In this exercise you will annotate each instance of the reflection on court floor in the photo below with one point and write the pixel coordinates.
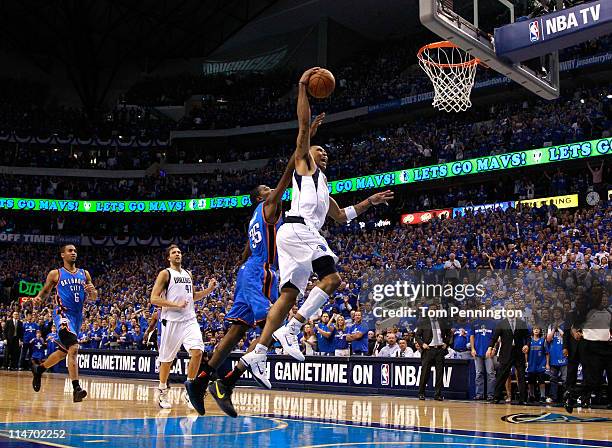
(123, 413)
(260, 431)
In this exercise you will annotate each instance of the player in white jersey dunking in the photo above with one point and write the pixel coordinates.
(301, 248)
(173, 292)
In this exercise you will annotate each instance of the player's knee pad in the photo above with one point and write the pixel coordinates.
(325, 266)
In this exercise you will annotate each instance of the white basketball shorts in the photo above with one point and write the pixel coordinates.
(298, 246)
(177, 333)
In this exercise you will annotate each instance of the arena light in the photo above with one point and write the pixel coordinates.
(442, 171)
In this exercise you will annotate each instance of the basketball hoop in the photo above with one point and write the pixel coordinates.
(452, 71)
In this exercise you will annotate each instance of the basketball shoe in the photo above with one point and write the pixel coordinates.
(256, 364)
(223, 396)
(287, 337)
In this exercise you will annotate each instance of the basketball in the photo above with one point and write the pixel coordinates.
(321, 84)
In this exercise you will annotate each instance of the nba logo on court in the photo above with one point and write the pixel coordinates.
(384, 374)
(534, 31)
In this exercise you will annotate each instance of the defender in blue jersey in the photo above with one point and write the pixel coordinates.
(257, 283)
(73, 286)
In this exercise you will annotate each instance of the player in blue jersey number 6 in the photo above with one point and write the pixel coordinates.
(72, 286)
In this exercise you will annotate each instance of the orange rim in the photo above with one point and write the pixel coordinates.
(445, 44)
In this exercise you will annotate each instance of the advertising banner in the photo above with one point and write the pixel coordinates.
(388, 376)
(527, 39)
(422, 217)
(479, 165)
(567, 201)
(23, 238)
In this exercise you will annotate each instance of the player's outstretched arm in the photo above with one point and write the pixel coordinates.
(277, 194)
(90, 289)
(347, 214)
(303, 159)
(271, 205)
(52, 279)
(160, 285)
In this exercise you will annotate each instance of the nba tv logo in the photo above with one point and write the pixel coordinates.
(385, 376)
(534, 31)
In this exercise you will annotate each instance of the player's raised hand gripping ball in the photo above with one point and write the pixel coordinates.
(321, 83)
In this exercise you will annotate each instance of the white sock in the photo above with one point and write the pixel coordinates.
(316, 299)
(294, 326)
(162, 385)
(261, 349)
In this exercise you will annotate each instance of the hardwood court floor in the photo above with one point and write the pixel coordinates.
(123, 412)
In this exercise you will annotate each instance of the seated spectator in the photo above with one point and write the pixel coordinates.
(392, 348)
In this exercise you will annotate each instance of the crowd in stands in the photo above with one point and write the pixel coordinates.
(585, 114)
(28, 109)
(387, 72)
(510, 186)
(371, 78)
(390, 72)
(540, 258)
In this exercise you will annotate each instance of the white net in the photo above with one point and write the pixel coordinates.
(452, 72)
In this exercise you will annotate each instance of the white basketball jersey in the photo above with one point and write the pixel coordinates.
(310, 198)
(180, 287)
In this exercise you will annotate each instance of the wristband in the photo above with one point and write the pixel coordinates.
(370, 202)
(351, 213)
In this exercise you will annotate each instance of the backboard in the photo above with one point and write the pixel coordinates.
(467, 29)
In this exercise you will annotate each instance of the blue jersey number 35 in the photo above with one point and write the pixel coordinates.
(255, 235)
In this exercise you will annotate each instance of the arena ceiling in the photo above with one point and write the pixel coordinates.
(89, 42)
(92, 39)
(373, 19)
